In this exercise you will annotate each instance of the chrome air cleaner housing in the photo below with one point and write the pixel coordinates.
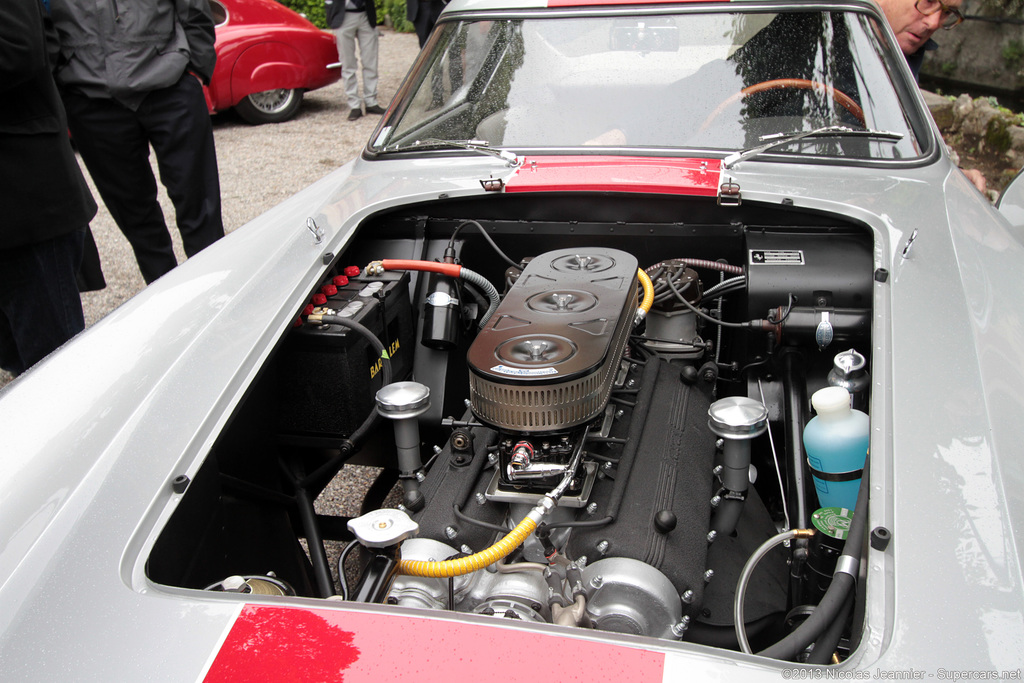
(548, 356)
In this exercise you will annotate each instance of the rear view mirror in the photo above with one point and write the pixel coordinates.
(644, 35)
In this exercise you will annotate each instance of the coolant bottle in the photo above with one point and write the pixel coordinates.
(836, 442)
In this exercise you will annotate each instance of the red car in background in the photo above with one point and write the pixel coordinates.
(267, 57)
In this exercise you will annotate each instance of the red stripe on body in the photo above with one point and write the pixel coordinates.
(271, 644)
(696, 177)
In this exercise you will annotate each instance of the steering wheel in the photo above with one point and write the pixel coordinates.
(840, 97)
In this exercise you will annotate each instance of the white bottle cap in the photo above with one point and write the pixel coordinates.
(831, 401)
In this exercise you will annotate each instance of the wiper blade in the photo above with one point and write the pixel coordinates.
(479, 146)
(779, 139)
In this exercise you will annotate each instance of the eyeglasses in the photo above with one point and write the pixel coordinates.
(950, 16)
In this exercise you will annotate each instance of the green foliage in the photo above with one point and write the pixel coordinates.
(311, 9)
(997, 136)
(314, 11)
(948, 69)
(396, 10)
(1013, 53)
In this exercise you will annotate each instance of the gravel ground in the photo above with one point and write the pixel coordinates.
(260, 166)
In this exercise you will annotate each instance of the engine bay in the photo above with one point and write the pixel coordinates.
(580, 411)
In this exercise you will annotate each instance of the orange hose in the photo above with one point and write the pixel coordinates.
(450, 269)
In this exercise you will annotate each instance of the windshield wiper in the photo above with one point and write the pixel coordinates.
(480, 146)
(779, 139)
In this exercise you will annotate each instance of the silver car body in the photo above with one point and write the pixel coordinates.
(93, 437)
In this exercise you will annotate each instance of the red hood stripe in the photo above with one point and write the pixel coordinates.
(696, 177)
(268, 643)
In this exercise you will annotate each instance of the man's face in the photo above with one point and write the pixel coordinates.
(912, 28)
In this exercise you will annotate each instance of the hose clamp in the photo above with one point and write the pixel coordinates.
(847, 565)
(852, 475)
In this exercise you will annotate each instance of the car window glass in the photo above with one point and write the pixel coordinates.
(692, 80)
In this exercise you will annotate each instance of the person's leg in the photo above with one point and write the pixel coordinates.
(367, 36)
(178, 125)
(346, 36)
(115, 150)
(40, 307)
(10, 359)
(426, 16)
(423, 23)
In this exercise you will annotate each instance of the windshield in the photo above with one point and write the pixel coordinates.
(718, 80)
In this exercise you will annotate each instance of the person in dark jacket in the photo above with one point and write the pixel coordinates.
(423, 14)
(45, 204)
(130, 77)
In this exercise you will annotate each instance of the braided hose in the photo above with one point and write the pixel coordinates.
(492, 293)
(703, 263)
(466, 565)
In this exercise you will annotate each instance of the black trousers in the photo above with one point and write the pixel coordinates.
(114, 143)
(426, 17)
(39, 304)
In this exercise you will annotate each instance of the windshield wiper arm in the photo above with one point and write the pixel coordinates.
(480, 146)
(779, 139)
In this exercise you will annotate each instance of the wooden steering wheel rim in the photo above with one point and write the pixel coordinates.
(839, 96)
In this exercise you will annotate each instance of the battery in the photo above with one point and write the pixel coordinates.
(328, 375)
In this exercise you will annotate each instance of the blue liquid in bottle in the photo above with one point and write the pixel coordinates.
(836, 442)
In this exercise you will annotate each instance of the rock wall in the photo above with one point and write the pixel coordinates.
(986, 52)
(987, 131)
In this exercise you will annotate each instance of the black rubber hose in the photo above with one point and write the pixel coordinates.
(369, 336)
(462, 516)
(821, 618)
(825, 646)
(347, 449)
(315, 543)
(842, 586)
(504, 257)
(342, 579)
(797, 477)
(725, 636)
